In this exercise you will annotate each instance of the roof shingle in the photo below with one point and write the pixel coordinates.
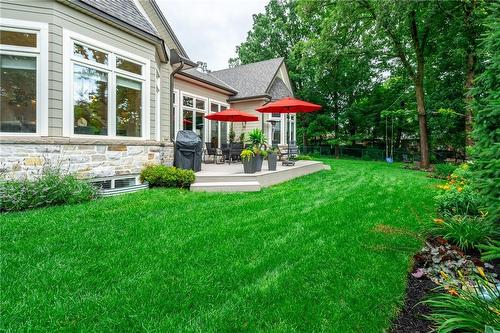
(125, 11)
(192, 72)
(250, 80)
(279, 90)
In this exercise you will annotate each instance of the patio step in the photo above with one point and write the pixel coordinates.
(245, 186)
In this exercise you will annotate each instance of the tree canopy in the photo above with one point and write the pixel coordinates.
(365, 61)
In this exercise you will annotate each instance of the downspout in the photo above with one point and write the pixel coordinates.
(269, 99)
(172, 109)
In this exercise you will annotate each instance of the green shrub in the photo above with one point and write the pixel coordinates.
(464, 231)
(490, 251)
(165, 176)
(458, 201)
(471, 311)
(444, 170)
(51, 187)
(487, 116)
(303, 158)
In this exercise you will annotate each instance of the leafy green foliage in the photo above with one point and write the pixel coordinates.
(444, 170)
(465, 231)
(487, 120)
(458, 196)
(51, 187)
(303, 158)
(490, 251)
(165, 176)
(468, 312)
(247, 154)
(256, 137)
(358, 60)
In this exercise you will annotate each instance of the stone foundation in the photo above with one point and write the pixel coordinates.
(85, 160)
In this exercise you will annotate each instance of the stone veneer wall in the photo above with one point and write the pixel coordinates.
(86, 160)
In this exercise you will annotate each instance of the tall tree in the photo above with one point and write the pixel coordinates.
(407, 26)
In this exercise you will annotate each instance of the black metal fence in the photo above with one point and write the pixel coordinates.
(377, 154)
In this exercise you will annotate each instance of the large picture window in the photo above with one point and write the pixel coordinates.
(22, 94)
(108, 91)
(193, 114)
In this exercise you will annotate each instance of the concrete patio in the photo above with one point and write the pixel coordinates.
(230, 177)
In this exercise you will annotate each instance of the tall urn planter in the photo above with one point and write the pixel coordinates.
(249, 164)
(259, 159)
(272, 161)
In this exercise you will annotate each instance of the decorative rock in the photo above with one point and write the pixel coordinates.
(117, 148)
(135, 150)
(100, 149)
(79, 159)
(98, 158)
(33, 161)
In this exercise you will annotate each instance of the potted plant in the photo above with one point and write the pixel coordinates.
(256, 137)
(249, 161)
(272, 158)
(260, 154)
(258, 140)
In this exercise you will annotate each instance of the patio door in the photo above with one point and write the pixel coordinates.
(218, 129)
(193, 114)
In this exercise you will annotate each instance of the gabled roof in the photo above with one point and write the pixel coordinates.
(207, 78)
(123, 10)
(251, 80)
(279, 90)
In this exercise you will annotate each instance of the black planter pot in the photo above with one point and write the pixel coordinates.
(259, 159)
(272, 161)
(249, 165)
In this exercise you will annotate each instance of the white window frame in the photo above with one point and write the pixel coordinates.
(193, 109)
(41, 54)
(282, 120)
(209, 127)
(157, 104)
(177, 115)
(69, 59)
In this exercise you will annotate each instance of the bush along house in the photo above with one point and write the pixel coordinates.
(100, 88)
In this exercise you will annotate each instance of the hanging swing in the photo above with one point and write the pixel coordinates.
(389, 159)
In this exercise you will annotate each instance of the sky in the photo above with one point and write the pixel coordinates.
(210, 30)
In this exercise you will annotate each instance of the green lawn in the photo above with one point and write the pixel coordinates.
(325, 252)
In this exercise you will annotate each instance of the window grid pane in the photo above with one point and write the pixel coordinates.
(128, 66)
(18, 94)
(200, 104)
(128, 107)
(187, 101)
(17, 38)
(91, 54)
(90, 101)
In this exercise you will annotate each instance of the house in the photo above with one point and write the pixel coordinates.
(100, 87)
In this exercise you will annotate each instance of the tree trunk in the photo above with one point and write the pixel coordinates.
(468, 100)
(336, 131)
(422, 123)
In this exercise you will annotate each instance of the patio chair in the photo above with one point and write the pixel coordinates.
(290, 152)
(235, 151)
(211, 150)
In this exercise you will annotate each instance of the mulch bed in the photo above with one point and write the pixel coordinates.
(436, 255)
(411, 318)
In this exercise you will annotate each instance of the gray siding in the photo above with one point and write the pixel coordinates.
(61, 16)
(165, 71)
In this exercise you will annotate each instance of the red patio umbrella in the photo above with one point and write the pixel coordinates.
(232, 115)
(289, 105)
